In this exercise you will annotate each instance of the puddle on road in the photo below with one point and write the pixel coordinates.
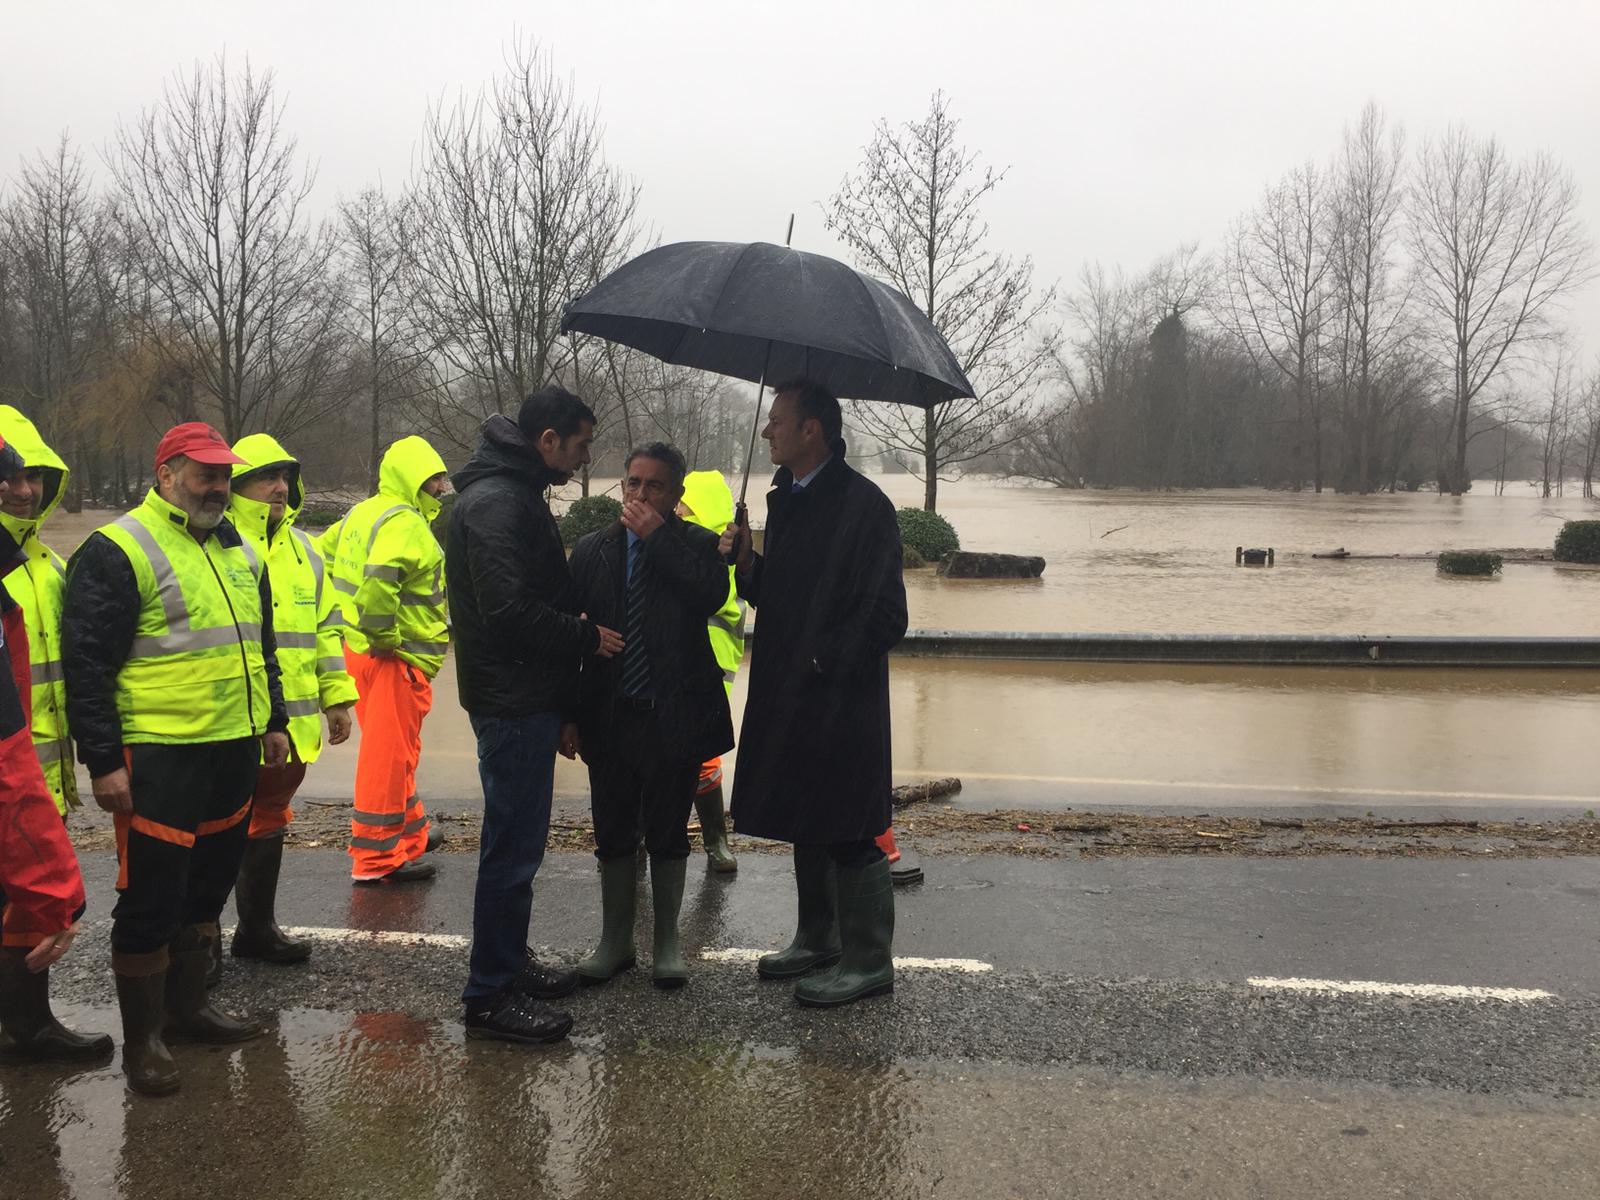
(383, 1104)
(343, 1105)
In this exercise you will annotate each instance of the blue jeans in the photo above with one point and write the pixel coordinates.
(517, 764)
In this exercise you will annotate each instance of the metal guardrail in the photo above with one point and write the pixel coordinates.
(1262, 649)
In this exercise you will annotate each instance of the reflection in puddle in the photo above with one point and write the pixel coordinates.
(381, 1103)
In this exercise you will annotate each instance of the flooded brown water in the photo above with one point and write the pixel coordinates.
(1056, 735)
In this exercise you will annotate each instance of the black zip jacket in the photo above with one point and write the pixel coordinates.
(514, 624)
(97, 629)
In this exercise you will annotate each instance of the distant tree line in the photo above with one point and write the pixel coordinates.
(190, 279)
(1381, 322)
(1385, 320)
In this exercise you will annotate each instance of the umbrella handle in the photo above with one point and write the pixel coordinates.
(741, 518)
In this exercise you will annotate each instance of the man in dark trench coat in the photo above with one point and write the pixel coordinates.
(814, 751)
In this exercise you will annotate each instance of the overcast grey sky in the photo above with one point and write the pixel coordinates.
(1127, 127)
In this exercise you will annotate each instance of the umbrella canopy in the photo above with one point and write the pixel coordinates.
(762, 312)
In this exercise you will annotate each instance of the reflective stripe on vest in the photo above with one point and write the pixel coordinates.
(193, 674)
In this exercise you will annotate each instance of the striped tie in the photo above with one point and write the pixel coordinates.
(635, 662)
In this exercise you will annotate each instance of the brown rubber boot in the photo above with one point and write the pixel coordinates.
(190, 1015)
(141, 995)
(29, 1031)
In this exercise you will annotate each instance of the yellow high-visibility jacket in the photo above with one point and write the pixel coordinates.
(197, 670)
(40, 590)
(387, 566)
(708, 502)
(305, 621)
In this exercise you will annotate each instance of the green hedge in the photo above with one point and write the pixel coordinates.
(587, 514)
(1578, 542)
(929, 534)
(1469, 562)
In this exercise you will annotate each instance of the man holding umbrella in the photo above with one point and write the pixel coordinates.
(814, 751)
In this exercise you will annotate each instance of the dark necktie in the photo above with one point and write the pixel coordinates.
(635, 662)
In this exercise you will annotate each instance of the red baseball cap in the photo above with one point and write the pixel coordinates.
(196, 440)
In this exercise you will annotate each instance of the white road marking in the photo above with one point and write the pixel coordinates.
(968, 966)
(456, 941)
(382, 937)
(1418, 991)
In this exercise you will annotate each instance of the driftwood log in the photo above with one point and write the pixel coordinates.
(916, 793)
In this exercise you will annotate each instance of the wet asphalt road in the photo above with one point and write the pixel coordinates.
(1115, 1048)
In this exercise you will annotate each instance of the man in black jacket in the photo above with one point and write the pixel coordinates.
(648, 718)
(518, 637)
(173, 696)
(814, 750)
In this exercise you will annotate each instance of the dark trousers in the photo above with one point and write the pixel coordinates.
(517, 766)
(181, 846)
(634, 787)
(854, 854)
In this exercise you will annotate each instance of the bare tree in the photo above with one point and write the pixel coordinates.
(1370, 302)
(379, 293)
(211, 192)
(1278, 296)
(55, 236)
(1496, 244)
(1554, 416)
(912, 215)
(517, 212)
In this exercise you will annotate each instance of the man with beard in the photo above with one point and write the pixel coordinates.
(174, 699)
(814, 750)
(519, 637)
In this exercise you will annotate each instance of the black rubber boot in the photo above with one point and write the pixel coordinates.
(619, 889)
(816, 938)
(29, 1031)
(866, 927)
(714, 831)
(141, 995)
(190, 1015)
(256, 896)
(667, 968)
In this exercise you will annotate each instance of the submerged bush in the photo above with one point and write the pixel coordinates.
(1469, 562)
(1578, 542)
(929, 534)
(587, 514)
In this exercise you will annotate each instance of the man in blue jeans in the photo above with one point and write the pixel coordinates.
(518, 639)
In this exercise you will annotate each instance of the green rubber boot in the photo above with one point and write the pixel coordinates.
(714, 831)
(866, 928)
(619, 887)
(816, 938)
(667, 968)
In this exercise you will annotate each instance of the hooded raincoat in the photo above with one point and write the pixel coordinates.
(304, 617)
(39, 587)
(709, 502)
(388, 568)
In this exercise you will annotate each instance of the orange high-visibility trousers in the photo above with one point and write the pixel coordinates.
(388, 827)
(885, 842)
(275, 789)
(710, 776)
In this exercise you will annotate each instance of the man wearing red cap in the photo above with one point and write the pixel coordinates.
(173, 695)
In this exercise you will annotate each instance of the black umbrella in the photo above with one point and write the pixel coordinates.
(763, 313)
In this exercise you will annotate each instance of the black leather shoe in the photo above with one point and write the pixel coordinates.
(539, 982)
(514, 1018)
(435, 837)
